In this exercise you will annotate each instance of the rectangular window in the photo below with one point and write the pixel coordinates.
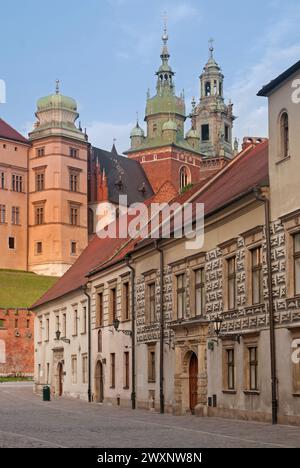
(48, 373)
(113, 304)
(73, 248)
(2, 214)
(15, 215)
(40, 152)
(83, 323)
(126, 302)
(84, 369)
(74, 153)
(231, 282)
(2, 180)
(200, 291)
(39, 215)
(47, 329)
(39, 248)
(205, 132)
(99, 311)
(11, 243)
(57, 324)
(74, 216)
(151, 302)
(297, 263)
(74, 369)
(2, 323)
(227, 134)
(181, 296)
(40, 330)
(257, 276)
(230, 369)
(113, 370)
(253, 364)
(39, 181)
(151, 365)
(74, 181)
(64, 325)
(126, 370)
(75, 322)
(17, 183)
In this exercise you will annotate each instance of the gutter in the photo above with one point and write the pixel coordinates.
(133, 358)
(261, 197)
(162, 329)
(85, 289)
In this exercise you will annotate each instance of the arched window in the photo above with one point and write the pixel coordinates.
(184, 177)
(207, 88)
(99, 341)
(284, 134)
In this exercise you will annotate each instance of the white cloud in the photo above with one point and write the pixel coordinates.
(279, 54)
(102, 134)
(182, 12)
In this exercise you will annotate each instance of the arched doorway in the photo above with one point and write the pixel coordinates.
(60, 374)
(99, 382)
(193, 382)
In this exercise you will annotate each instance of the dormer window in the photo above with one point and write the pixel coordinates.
(284, 135)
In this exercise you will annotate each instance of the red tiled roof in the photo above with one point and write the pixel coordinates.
(9, 133)
(99, 252)
(247, 170)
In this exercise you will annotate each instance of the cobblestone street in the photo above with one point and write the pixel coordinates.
(26, 421)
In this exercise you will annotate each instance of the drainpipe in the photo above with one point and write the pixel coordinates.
(162, 329)
(85, 289)
(133, 383)
(259, 196)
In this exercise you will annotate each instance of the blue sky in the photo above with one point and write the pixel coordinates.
(105, 52)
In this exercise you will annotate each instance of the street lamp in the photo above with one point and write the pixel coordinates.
(217, 324)
(58, 337)
(116, 324)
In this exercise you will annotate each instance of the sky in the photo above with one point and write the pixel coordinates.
(105, 54)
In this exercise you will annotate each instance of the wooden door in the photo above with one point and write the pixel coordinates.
(99, 383)
(193, 378)
(60, 379)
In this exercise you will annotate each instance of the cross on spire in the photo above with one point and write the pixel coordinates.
(165, 34)
(211, 48)
(57, 86)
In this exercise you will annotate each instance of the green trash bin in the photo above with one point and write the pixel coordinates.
(46, 393)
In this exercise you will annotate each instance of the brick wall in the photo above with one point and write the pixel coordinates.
(16, 342)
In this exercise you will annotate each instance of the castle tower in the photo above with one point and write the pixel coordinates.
(164, 152)
(214, 119)
(57, 206)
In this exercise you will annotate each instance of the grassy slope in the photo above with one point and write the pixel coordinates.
(21, 289)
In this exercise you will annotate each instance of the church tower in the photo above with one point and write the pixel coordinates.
(164, 152)
(214, 119)
(57, 206)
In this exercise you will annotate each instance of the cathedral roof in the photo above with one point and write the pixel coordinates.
(9, 133)
(124, 176)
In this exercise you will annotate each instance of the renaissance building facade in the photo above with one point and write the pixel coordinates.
(212, 331)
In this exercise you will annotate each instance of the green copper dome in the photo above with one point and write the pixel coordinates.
(57, 101)
(137, 131)
(192, 134)
(170, 125)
